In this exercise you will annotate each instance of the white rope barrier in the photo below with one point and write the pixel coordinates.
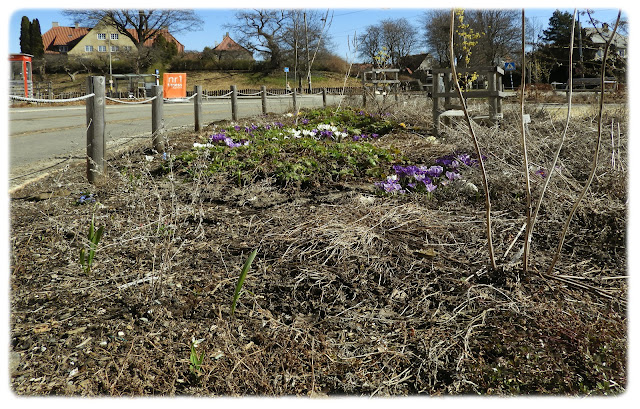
(220, 96)
(57, 101)
(130, 102)
(249, 95)
(279, 95)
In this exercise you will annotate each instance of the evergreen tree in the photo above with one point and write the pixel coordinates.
(554, 52)
(559, 29)
(164, 50)
(37, 46)
(25, 35)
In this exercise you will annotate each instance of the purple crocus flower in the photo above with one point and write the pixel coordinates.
(430, 187)
(466, 159)
(541, 173)
(452, 175)
(218, 137)
(391, 185)
(435, 171)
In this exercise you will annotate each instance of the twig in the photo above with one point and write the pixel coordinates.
(597, 151)
(525, 257)
(595, 290)
(564, 132)
(139, 281)
(487, 200)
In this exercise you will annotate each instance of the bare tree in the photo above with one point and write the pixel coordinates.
(399, 37)
(500, 34)
(435, 24)
(370, 43)
(146, 24)
(498, 30)
(305, 35)
(390, 39)
(262, 31)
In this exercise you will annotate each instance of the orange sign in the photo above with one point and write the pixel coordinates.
(174, 85)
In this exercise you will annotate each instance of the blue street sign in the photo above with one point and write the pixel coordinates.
(510, 66)
(286, 69)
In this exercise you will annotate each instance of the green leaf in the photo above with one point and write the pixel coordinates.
(99, 235)
(243, 275)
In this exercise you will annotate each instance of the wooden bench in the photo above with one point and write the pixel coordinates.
(587, 85)
(444, 90)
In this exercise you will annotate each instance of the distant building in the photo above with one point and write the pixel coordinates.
(417, 63)
(104, 38)
(600, 36)
(229, 50)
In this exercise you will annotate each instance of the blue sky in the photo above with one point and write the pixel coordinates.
(346, 21)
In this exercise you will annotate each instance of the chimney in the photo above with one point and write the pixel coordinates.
(54, 24)
(605, 27)
(226, 35)
(77, 25)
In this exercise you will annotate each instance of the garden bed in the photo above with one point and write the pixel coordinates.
(371, 274)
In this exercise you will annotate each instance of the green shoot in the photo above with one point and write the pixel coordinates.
(195, 360)
(243, 275)
(94, 236)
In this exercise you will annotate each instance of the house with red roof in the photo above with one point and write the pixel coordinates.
(229, 50)
(101, 40)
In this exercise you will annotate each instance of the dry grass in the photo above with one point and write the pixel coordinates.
(351, 292)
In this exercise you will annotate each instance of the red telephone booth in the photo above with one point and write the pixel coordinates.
(21, 83)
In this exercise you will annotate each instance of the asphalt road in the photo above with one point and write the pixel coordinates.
(42, 136)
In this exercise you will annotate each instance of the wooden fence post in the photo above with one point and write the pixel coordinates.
(295, 102)
(157, 126)
(492, 77)
(197, 107)
(234, 103)
(95, 128)
(436, 89)
(324, 97)
(263, 94)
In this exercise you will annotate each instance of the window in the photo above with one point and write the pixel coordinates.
(102, 36)
(114, 36)
(63, 48)
(114, 48)
(88, 48)
(127, 48)
(102, 48)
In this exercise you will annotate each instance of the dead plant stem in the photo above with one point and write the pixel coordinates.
(525, 257)
(597, 150)
(454, 75)
(564, 132)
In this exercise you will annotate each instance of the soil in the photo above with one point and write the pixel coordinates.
(351, 292)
